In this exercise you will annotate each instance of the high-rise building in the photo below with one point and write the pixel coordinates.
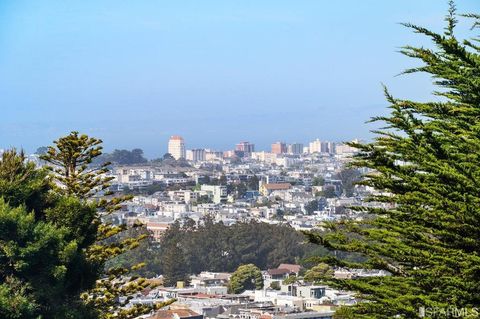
(279, 148)
(245, 147)
(331, 147)
(176, 147)
(315, 146)
(318, 146)
(295, 148)
(196, 155)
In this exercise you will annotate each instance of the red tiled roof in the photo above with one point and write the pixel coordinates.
(278, 186)
(292, 267)
(169, 314)
(278, 271)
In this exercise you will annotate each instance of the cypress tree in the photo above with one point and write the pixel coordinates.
(425, 164)
(246, 277)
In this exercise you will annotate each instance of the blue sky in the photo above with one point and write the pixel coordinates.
(216, 72)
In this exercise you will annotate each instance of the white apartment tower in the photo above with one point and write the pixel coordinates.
(176, 147)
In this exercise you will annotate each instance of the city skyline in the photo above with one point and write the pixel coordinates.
(213, 72)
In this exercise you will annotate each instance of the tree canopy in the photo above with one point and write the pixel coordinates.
(246, 277)
(210, 246)
(70, 161)
(425, 164)
(122, 157)
(42, 244)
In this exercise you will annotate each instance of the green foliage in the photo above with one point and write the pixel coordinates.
(246, 277)
(349, 177)
(318, 273)
(328, 192)
(148, 252)
(134, 156)
(213, 246)
(174, 264)
(15, 301)
(192, 248)
(168, 156)
(37, 249)
(253, 183)
(318, 181)
(311, 207)
(290, 280)
(426, 163)
(275, 285)
(71, 160)
(203, 199)
(22, 184)
(240, 189)
(122, 157)
(41, 150)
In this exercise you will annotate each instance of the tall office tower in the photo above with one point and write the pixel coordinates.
(176, 147)
(324, 147)
(245, 147)
(327, 147)
(331, 147)
(315, 146)
(279, 148)
(295, 148)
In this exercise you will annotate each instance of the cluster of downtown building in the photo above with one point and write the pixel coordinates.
(286, 182)
(177, 148)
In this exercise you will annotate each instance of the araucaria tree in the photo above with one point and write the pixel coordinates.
(425, 163)
(71, 168)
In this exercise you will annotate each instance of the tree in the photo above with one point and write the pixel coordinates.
(212, 246)
(349, 177)
(290, 280)
(40, 245)
(70, 159)
(222, 180)
(318, 181)
(425, 161)
(41, 150)
(126, 157)
(318, 273)
(329, 191)
(168, 156)
(311, 207)
(275, 285)
(246, 277)
(173, 263)
(253, 183)
(240, 189)
(21, 183)
(203, 199)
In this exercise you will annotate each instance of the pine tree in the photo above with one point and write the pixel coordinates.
(38, 249)
(173, 262)
(425, 163)
(71, 160)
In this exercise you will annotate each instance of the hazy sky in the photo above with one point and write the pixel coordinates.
(216, 72)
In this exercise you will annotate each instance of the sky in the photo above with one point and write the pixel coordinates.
(215, 72)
